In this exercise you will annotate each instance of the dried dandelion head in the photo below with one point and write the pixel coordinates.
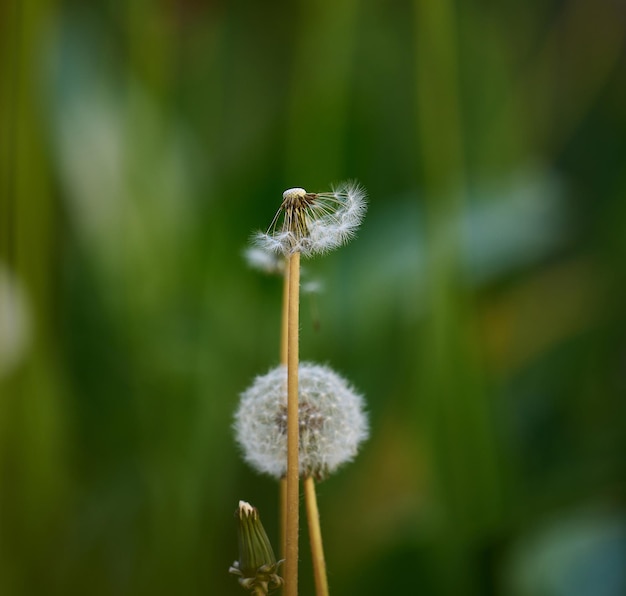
(332, 421)
(314, 223)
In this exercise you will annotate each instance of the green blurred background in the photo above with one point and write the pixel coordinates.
(480, 310)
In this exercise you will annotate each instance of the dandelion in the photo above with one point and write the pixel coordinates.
(257, 564)
(314, 223)
(306, 223)
(332, 422)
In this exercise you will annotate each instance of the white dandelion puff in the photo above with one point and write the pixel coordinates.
(331, 416)
(314, 223)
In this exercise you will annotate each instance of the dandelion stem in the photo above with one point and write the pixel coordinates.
(283, 361)
(283, 517)
(315, 536)
(284, 319)
(293, 432)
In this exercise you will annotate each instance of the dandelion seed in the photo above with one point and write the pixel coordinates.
(312, 286)
(263, 260)
(314, 223)
(331, 420)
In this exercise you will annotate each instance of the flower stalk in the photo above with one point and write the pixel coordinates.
(315, 538)
(293, 434)
(283, 360)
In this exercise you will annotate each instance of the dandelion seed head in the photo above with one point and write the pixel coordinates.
(314, 223)
(331, 418)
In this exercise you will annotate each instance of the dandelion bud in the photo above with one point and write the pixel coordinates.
(331, 418)
(257, 564)
(313, 223)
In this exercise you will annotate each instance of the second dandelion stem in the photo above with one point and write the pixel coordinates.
(315, 536)
(293, 432)
(284, 342)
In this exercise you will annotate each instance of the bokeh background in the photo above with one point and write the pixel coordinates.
(480, 310)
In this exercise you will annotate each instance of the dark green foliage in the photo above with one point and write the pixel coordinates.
(480, 310)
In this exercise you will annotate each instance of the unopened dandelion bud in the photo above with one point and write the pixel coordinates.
(313, 223)
(332, 421)
(257, 564)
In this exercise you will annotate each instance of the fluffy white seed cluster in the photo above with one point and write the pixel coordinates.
(314, 223)
(332, 421)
